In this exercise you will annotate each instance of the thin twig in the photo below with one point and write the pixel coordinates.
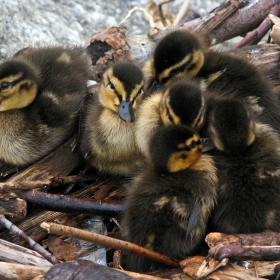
(136, 9)
(182, 12)
(33, 245)
(162, 17)
(118, 244)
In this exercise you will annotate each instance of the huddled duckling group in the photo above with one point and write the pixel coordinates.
(150, 124)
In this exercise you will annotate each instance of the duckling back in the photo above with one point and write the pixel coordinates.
(168, 204)
(46, 87)
(248, 162)
(108, 141)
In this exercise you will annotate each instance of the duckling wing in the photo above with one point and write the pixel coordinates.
(193, 216)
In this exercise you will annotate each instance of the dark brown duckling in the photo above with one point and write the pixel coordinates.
(248, 162)
(41, 91)
(108, 141)
(168, 204)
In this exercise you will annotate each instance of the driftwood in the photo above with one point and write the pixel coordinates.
(12, 271)
(33, 245)
(10, 252)
(228, 272)
(266, 238)
(99, 239)
(116, 43)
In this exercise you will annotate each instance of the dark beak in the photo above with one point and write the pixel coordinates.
(207, 144)
(126, 112)
(154, 88)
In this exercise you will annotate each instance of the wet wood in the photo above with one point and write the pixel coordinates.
(12, 271)
(266, 238)
(126, 247)
(10, 252)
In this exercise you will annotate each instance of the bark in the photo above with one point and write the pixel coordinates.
(266, 238)
(33, 245)
(99, 239)
(241, 253)
(10, 252)
(69, 204)
(12, 271)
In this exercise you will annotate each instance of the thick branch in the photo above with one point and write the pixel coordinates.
(69, 204)
(241, 253)
(266, 238)
(118, 244)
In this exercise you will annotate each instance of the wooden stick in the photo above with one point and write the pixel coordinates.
(182, 12)
(12, 271)
(53, 182)
(10, 252)
(220, 14)
(241, 253)
(266, 238)
(162, 17)
(33, 245)
(257, 34)
(118, 244)
(69, 204)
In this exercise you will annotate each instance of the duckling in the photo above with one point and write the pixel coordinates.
(168, 204)
(41, 91)
(181, 54)
(182, 102)
(248, 162)
(107, 140)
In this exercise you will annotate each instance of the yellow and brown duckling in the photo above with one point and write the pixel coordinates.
(168, 204)
(182, 103)
(248, 162)
(41, 91)
(108, 141)
(181, 54)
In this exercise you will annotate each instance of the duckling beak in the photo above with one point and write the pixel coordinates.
(126, 112)
(207, 144)
(154, 87)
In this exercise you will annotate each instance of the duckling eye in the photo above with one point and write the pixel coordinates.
(112, 86)
(5, 85)
(170, 117)
(192, 144)
(140, 91)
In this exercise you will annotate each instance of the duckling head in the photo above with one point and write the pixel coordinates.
(231, 127)
(19, 84)
(183, 103)
(174, 148)
(178, 55)
(122, 89)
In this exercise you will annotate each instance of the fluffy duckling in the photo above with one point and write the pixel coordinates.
(248, 162)
(108, 141)
(168, 204)
(181, 103)
(41, 91)
(180, 54)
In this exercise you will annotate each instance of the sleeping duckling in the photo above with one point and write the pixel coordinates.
(181, 103)
(180, 54)
(248, 162)
(108, 141)
(168, 204)
(41, 91)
